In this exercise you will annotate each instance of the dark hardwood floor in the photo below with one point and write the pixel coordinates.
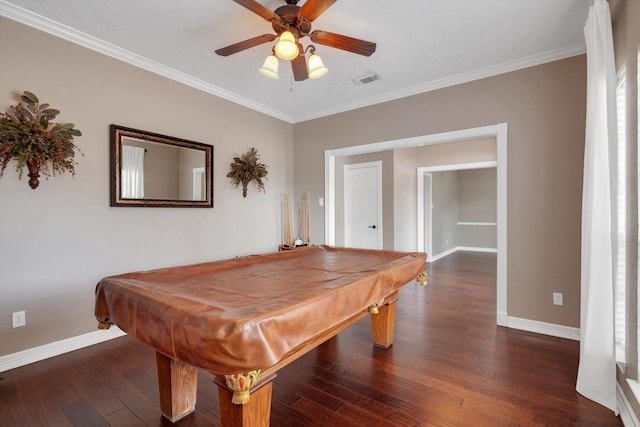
(450, 365)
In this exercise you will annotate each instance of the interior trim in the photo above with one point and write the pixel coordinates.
(460, 248)
(499, 131)
(482, 73)
(72, 35)
(36, 354)
(551, 329)
(64, 32)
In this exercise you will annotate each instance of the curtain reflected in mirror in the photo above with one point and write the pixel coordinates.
(132, 172)
(156, 170)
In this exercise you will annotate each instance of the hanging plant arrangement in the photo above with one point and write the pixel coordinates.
(246, 168)
(28, 135)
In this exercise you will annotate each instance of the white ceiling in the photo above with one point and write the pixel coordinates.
(421, 44)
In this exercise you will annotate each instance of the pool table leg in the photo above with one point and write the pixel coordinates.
(255, 413)
(383, 324)
(178, 383)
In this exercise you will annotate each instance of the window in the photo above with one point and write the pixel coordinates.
(621, 221)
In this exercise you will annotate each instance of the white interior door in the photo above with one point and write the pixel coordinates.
(363, 205)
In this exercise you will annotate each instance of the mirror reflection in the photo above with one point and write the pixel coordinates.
(157, 170)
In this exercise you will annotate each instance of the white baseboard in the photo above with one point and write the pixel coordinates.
(460, 248)
(36, 354)
(544, 328)
(441, 255)
(475, 249)
(503, 318)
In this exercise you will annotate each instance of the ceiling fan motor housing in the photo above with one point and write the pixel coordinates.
(291, 20)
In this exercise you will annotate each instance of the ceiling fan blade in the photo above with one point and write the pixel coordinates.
(311, 9)
(338, 41)
(299, 67)
(257, 8)
(246, 44)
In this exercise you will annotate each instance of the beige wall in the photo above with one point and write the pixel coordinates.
(444, 196)
(477, 202)
(56, 242)
(161, 172)
(459, 152)
(405, 202)
(477, 195)
(544, 107)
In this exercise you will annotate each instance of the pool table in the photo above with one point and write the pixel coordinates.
(244, 318)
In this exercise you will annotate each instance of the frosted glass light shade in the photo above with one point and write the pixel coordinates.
(287, 48)
(316, 67)
(270, 67)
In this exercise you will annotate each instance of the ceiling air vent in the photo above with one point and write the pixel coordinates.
(366, 79)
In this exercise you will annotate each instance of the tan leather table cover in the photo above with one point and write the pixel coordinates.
(248, 313)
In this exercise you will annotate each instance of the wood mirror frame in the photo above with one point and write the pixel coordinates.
(183, 149)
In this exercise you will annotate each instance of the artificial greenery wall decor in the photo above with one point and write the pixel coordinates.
(28, 135)
(246, 168)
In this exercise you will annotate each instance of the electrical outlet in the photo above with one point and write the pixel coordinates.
(19, 319)
(321, 201)
(557, 298)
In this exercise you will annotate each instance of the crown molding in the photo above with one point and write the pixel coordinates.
(65, 32)
(72, 35)
(482, 73)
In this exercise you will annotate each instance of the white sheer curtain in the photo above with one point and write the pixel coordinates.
(597, 370)
(132, 172)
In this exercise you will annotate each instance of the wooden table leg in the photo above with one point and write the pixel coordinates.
(178, 382)
(254, 413)
(383, 324)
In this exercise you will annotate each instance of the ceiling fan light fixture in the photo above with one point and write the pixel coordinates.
(270, 67)
(316, 68)
(287, 47)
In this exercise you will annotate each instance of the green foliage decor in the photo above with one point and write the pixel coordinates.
(28, 135)
(246, 168)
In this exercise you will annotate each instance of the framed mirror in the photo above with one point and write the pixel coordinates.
(149, 169)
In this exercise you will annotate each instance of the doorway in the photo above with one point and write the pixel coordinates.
(498, 131)
(425, 203)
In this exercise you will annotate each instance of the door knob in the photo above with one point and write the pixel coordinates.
(372, 226)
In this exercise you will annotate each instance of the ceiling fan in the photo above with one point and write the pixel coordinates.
(291, 23)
